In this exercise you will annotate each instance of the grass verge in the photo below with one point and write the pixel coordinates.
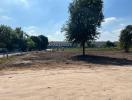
(91, 49)
(4, 59)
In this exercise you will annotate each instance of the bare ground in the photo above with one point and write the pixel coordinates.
(67, 76)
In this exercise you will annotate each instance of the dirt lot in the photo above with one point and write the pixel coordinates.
(67, 76)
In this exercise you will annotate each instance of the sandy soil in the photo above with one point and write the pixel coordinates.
(111, 83)
(65, 76)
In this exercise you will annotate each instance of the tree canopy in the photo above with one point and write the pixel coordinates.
(110, 44)
(6, 36)
(85, 17)
(126, 38)
(44, 42)
(41, 42)
(17, 39)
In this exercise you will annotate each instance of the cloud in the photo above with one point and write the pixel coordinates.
(5, 18)
(32, 30)
(53, 31)
(117, 31)
(23, 3)
(111, 33)
(112, 27)
(57, 33)
(108, 35)
(52, 36)
(1, 10)
(56, 36)
(109, 20)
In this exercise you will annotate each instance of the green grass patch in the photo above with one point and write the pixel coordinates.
(72, 49)
(91, 49)
(4, 59)
(103, 49)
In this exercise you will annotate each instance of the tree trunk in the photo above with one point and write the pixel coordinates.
(7, 55)
(84, 49)
(127, 50)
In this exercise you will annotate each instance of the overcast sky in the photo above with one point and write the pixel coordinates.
(47, 17)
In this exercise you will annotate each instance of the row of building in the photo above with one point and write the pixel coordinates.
(58, 44)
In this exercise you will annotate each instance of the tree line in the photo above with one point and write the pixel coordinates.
(18, 40)
(85, 18)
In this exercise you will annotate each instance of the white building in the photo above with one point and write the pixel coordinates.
(54, 44)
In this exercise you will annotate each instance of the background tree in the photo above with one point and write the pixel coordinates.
(37, 42)
(41, 42)
(6, 37)
(126, 38)
(17, 40)
(44, 42)
(30, 44)
(109, 44)
(85, 17)
(21, 39)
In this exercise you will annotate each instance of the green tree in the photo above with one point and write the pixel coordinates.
(85, 17)
(30, 44)
(6, 37)
(126, 38)
(17, 39)
(37, 42)
(44, 42)
(21, 39)
(109, 44)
